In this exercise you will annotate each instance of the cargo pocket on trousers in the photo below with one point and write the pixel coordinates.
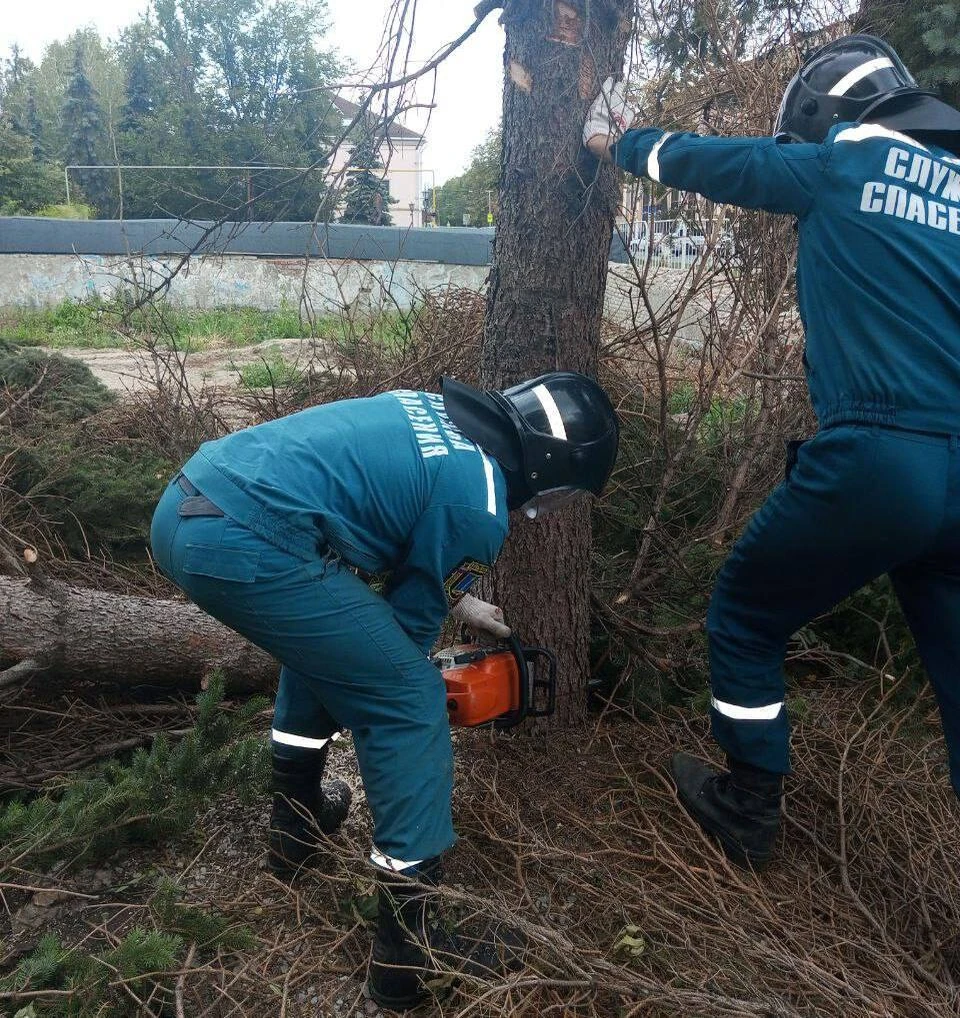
(221, 563)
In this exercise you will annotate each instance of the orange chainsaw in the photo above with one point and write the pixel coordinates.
(505, 684)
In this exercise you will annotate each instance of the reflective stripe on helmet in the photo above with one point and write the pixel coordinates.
(864, 70)
(552, 411)
(653, 160)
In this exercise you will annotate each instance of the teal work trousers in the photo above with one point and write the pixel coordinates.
(858, 502)
(346, 663)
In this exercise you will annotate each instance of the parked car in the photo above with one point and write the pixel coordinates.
(676, 239)
(640, 240)
(688, 242)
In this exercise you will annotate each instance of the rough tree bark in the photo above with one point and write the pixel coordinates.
(546, 287)
(70, 632)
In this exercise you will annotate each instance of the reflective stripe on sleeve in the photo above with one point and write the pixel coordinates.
(653, 160)
(858, 74)
(288, 739)
(732, 710)
(491, 487)
(386, 862)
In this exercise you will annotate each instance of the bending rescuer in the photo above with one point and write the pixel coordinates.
(281, 530)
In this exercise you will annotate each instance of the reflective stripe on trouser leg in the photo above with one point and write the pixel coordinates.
(301, 741)
(812, 543)
(386, 862)
(747, 715)
(756, 735)
(300, 718)
(768, 712)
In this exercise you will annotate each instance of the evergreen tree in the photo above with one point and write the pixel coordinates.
(83, 124)
(939, 26)
(16, 75)
(926, 34)
(35, 127)
(367, 195)
(139, 99)
(17, 68)
(25, 184)
(691, 33)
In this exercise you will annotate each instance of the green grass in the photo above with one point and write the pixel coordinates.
(271, 371)
(71, 211)
(99, 324)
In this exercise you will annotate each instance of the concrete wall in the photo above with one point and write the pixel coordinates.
(228, 280)
(266, 267)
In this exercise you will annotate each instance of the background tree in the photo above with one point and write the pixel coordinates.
(546, 287)
(34, 127)
(474, 191)
(238, 83)
(366, 196)
(25, 184)
(138, 106)
(686, 34)
(231, 76)
(84, 126)
(926, 34)
(15, 76)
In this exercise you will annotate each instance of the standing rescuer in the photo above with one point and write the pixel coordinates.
(337, 539)
(867, 163)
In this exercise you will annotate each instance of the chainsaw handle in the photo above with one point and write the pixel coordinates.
(530, 684)
(519, 652)
(528, 655)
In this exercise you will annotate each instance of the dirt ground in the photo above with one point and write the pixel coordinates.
(128, 371)
(575, 843)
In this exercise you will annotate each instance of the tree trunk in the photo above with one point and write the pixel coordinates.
(70, 632)
(546, 287)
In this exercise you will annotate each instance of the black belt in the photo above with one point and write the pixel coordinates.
(195, 504)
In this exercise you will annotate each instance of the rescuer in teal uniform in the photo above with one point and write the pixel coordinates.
(867, 163)
(338, 539)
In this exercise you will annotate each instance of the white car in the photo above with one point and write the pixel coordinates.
(640, 241)
(688, 243)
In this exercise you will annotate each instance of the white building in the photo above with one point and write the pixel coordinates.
(401, 152)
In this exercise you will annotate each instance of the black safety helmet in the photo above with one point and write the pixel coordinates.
(860, 79)
(554, 436)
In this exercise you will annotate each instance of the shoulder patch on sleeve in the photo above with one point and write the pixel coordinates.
(461, 579)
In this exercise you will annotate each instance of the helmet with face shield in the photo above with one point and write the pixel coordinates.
(554, 436)
(861, 79)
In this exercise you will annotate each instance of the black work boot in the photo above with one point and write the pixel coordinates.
(410, 949)
(304, 807)
(739, 807)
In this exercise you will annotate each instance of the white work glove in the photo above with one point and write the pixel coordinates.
(609, 115)
(480, 616)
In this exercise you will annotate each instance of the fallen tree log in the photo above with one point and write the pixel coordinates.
(70, 632)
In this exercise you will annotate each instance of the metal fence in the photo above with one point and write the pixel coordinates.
(677, 243)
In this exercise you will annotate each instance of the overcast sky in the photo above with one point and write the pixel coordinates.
(468, 86)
